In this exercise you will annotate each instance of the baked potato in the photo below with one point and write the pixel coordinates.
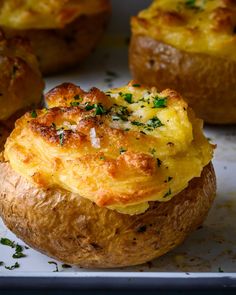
(107, 179)
(21, 84)
(61, 41)
(189, 46)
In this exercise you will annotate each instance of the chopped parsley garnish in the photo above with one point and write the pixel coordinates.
(160, 102)
(53, 262)
(74, 103)
(150, 125)
(191, 4)
(169, 178)
(167, 193)
(34, 114)
(89, 107)
(159, 162)
(102, 158)
(18, 255)
(66, 265)
(220, 269)
(136, 85)
(16, 265)
(154, 123)
(128, 97)
(77, 97)
(7, 242)
(119, 113)
(152, 151)
(122, 150)
(136, 123)
(18, 248)
(99, 110)
(61, 137)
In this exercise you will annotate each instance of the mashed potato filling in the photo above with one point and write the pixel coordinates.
(120, 149)
(191, 25)
(46, 14)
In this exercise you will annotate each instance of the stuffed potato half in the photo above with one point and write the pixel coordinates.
(62, 33)
(125, 177)
(191, 48)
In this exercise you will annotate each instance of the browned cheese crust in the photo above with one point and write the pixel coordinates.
(59, 49)
(75, 230)
(207, 83)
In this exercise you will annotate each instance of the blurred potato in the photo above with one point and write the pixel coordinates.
(189, 46)
(62, 34)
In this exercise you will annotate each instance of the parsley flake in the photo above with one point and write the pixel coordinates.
(74, 103)
(66, 265)
(53, 262)
(220, 269)
(160, 102)
(167, 193)
(7, 242)
(136, 123)
(16, 265)
(128, 97)
(99, 109)
(34, 114)
(154, 123)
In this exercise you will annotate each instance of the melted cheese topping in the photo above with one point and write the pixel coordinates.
(120, 149)
(41, 14)
(203, 26)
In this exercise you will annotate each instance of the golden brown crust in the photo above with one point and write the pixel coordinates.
(21, 84)
(68, 46)
(206, 27)
(76, 231)
(118, 153)
(43, 14)
(207, 83)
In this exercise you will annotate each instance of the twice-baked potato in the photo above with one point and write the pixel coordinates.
(189, 46)
(107, 179)
(62, 33)
(21, 84)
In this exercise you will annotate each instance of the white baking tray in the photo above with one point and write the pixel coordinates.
(206, 259)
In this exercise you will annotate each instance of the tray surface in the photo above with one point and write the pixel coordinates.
(208, 253)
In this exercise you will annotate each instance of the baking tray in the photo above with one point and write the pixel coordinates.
(207, 259)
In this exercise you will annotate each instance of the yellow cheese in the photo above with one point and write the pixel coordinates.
(202, 26)
(121, 149)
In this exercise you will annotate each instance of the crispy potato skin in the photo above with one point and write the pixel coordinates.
(207, 83)
(76, 231)
(59, 49)
(21, 84)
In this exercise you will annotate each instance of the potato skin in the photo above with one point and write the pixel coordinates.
(59, 49)
(76, 231)
(207, 83)
(21, 83)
